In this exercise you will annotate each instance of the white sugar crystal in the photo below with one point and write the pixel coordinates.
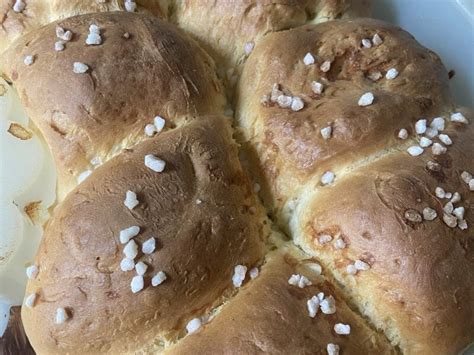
(429, 214)
(366, 99)
(377, 40)
(28, 60)
(253, 273)
(84, 175)
(284, 101)
(420, 126)
(361, 265)
(351, 269)
(198, 201)
(445, 139)
(438, 123)
(248, 47)
(451, 221)
(440, 193)
(32, 272)
(58, 46)
(403, 134)
(431, 132)
(93, 39)
(342, 329)
(391, 74)
(159, 123)
(61, 316)
(438, 149)
(96, 161)
(324, 238)
(459, 212)
(127, 264)
(459, 117)
(313, 304)
(62, 34)
(130, 200)
(30, 300)
(158, 279)
(366, 43)
(448, 208)
(150, 130)
(299, 280)
(448, 194)
(239, 275)
(308, 59)
(339, 243)
(456, 197)
(326, 132)
(297, 104)
(276, 92)
(19, 6)
(332, 349)
(79, 68)
(328, 305)
(137, 284)
(149, 246)
(466, 177)
(415, 150)
(128, 233)
(131, 250)
(193, 325)
(93, 28)
(317, 87)
(141, 268)
(326, 66)
(321, 296)
(315, 267)
(154, 163)
(471, 184)
(130, 5)
(462, 224)
(425, 142)
(327, 178)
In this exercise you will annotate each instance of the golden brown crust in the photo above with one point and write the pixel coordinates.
(198, 245)
(289, 144)
(420, 287)
(157, 71)
(15, 24)
(224, 27)
(270, 316)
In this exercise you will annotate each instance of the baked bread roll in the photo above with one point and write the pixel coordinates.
(355, 175)
(348, 127)
(86, 118)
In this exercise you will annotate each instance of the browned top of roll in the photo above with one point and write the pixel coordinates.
(198, 245)
(290, 145)
(225, 27)
(270, 316)
(422, 271)
(156, 71)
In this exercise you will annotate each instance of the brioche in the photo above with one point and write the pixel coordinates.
(331, 216)
(94, 115)
(356, 194)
